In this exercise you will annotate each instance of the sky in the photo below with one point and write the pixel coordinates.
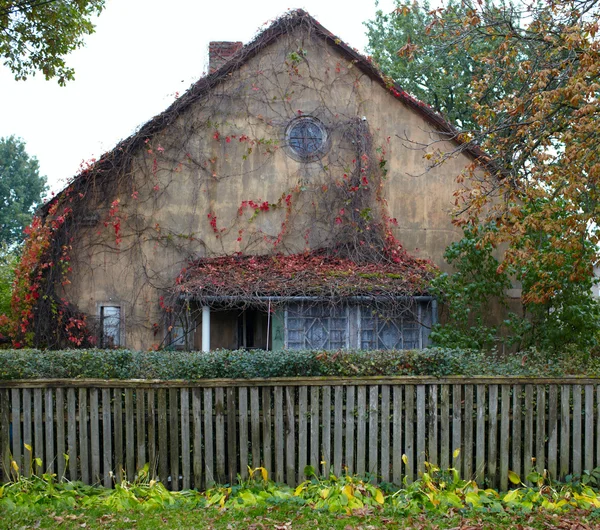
(142, 54)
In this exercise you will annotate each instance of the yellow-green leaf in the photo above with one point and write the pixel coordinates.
(514, 478)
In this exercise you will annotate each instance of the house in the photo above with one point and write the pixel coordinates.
(290, 198)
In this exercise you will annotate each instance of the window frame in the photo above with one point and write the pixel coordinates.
(119, 327)
(356, 313)
(319, 152)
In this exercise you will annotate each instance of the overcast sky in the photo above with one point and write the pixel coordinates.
(142, 54)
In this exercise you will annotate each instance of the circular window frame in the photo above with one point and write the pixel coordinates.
(307, 157)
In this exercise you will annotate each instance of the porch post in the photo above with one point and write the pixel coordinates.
(205, 328)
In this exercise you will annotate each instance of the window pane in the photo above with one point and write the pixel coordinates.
(111, 326)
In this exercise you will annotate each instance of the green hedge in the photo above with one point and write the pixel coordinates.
(127, 364)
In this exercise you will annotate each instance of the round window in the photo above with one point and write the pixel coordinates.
(306, 138)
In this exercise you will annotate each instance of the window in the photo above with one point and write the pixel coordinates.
(380, 333)
(306, 138)
(316, 326)
(326, 327)
(110, 325)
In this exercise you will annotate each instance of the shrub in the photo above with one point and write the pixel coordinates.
(242, 364)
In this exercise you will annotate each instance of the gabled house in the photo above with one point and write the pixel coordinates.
(287, 199)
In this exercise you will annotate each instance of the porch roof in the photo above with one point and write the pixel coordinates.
(316, 274)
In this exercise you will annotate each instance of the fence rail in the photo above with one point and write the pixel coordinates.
(193, 434)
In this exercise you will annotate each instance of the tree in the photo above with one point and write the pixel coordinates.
(413, 47)
(21, 189)
(540, 184)
(36, 35)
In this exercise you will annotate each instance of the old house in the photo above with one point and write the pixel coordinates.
(287, 199)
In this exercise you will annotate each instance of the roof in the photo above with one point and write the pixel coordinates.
(119, 155)
(318, 274)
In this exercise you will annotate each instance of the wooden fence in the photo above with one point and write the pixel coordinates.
(196, 433)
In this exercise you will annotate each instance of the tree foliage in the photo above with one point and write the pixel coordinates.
(412, 46)
(21, 189)
(539, 189)
(37, 35)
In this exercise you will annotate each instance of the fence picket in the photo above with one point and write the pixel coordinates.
(186, 482)
(95, 436)
(197, 426)
(151, 420)
(209, 469)
(38, 427)
(279, 433)
(84, 439)
(433, 425)
(302, 431)
(140, 431)
(255, 427)
(17, 444)
(589, 427)
(290, 436)
(528, 431)
(118, 432)
(409, 422)
(445, 427)
(267, 429)
(49, 464)
(468, 444)
(457, 426)
(493, 435)
(130, 436)
(106, 438)
(361, 430)
(504, 438)
(60, 433)
(27, 433)
(350, 429)
(480, 436)
(565, 424)
(338, 424)
(314, 428)
(421, 423)
(516, 430)
(220, 435)
(553, 431)
(385, 433)
(373, 429)
(231, 439)
(243, 423)
(174, 438)
(577, 433)
(540, 428)
(5, 420)
(397, 435)
(163, 444)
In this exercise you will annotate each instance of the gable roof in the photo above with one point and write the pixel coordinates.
(118, 155)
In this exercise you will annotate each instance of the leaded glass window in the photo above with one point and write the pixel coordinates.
(306, 138)
(327, 327)
(316, 326)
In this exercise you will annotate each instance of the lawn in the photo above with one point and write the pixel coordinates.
(288, 517)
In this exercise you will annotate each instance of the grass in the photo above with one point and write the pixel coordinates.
(290, 517)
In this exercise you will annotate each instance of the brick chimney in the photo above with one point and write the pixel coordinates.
(220, 52)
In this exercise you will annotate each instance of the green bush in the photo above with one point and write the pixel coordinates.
(128, 364)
